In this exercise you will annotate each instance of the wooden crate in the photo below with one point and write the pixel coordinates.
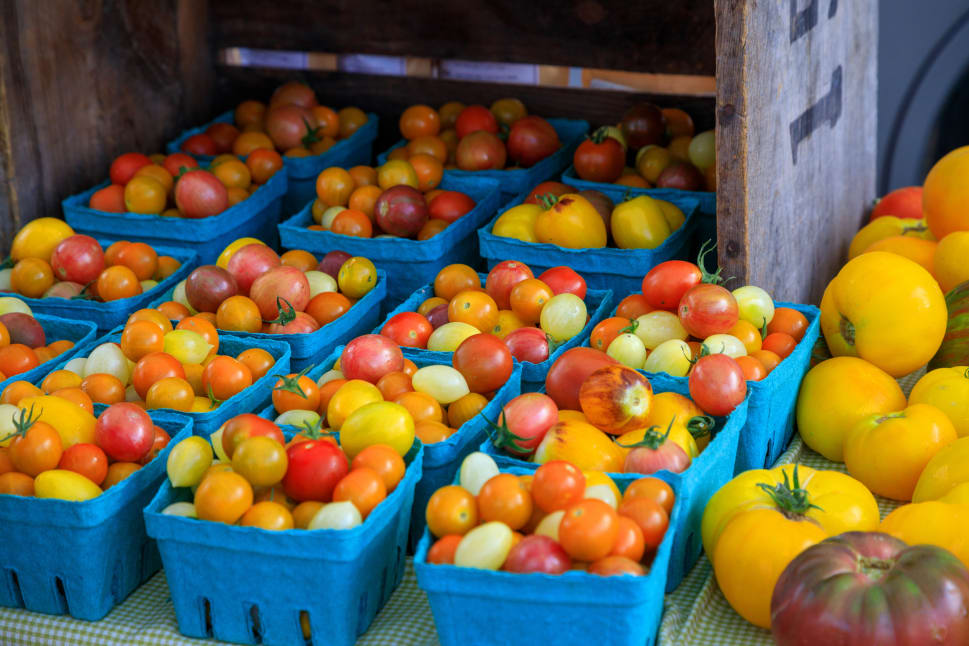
(82, 81)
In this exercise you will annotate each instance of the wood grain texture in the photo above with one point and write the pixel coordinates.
(796, 112)
(83, 81)
(648, 36)
(388, 96)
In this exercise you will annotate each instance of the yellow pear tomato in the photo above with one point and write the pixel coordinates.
(948, 390)
(885, 309)
(946, 470)
(66, 485)
(887, 453)
(931, 523)
(518, 222)
(571, 222)
(835, 395)
(74, 424)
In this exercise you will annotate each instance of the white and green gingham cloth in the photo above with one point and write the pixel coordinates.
(695, 614)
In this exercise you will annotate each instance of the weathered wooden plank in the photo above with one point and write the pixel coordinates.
(796, 110)
(83, 81)
(647, 36)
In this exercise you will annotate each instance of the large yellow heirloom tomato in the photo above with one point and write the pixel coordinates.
(949, 264)
(74, 424)
(958, 495)
(518, 222)
(835, 395)
(887, 226)
(38, 238)
(932, 523)
(845, 504)
(945, 471)
(639, 224)
(751, 554)
(945, 194)
(583, 445)
(885, 309)
(887, 453)
(948, 390)
(572, 222)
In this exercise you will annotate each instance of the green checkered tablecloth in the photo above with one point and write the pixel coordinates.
(695, 614)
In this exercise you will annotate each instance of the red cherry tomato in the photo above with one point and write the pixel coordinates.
(125, 432)
(707, 309)
(485, 361)
(528, 344)
(474, 118)
(563, 280)
(315, 467)
(408, 329)
(503, 277)
(717, 384)
(370, 357)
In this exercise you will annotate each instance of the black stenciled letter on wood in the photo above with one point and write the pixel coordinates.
(827, 108)
(805, 20)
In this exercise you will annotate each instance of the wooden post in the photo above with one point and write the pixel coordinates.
(83, 81)
(796, 117)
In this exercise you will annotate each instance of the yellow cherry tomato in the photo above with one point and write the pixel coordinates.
(348, 398)
(949, 264)
(583, 445)
(38, 238)
(377, 423)
(65, 485)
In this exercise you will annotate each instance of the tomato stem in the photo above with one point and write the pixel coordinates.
(652, 438)
(8, 262)
(701, 426)
(790, 498)
(310, 137)
(502, 437)
(291, 383)
(286, 315)
(847, 330)
(23, 423)
(315, 431)
(215, 401)
(600, 135)
(631, 328)
(707, 277)
(548, 200)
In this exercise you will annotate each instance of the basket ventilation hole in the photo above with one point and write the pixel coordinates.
(207, 616)
(362, 617)
(61, 595)
(116, 582)
(767, 460)
(255, 629)
(691, 548)
(15, 588)
(306, 627)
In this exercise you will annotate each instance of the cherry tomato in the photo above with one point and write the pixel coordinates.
(564, 280)
(363, 487)
(454, 279)
(614, 565)
(528, 344)
(370, 357)
(241, 427)
(223, 497)
(88, 460)
(315, 468)
(502, 279)
(650, 517)
(327, 307)
(485, 361)
(261, 460)
(707, 309)
(258, 361)
(780, 343)
(504, 498)
(224, 377)
(408, 329)
(36, 447)
(419, 121)
(103, 388)
(152, 368)
(633, 306)
(629, 540)
(295, 392)
(443, 549)
(588, 529)
(421, 406)
(665, 284)
(394, 384)
(171, 392)
(557, 485)
(652, 489)
(449, 206)
(125, 432)
(451, 510)
(527, 299)
(717, 384)
(474, 118)
(383, 460)
(788, 321)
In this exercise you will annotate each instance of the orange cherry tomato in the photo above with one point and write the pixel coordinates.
(16, 484)
(629, 540)
(419, 121)
(421, 406)
(363, 175)
(351, 222)
(633, 306)
(295, 392)
(173, 311)
(77, 396)
(393, 384)
(476, 308)
(17, 390)
(443, 549)
(117, 282)
(606, 331)
(650, 516)
(268, 514)
(364, 487)
(103, 388)
(788, 321)
(31, 277)
(364, 198)
(504, 498)
(327, 391)
(140, 338)
(528, 298)
(238, 314)
(384, 461)
(299, 258)
(753, 369)
(454, 279)
(139, 258)
(780, 343)
(224, 377)
(333, 186)
(432, 146)
(263, 164)
(653, 489)
(768, 358)
(152, 368)
(557, 485)
(36, 447)
(465, 409)
(203, 326)
(60, 379)
(429, 169)
(223, 497)
(259, 362)
(451, 510)
(431, 432)
(171, 392)
(303, 513)
(588, 530)
(153, 315)
(429, 304)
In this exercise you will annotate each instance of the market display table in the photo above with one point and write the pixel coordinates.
(695, 614)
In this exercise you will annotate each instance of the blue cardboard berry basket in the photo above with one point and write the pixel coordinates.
(598, 303)
(515, 180)
(525, 609)
(706, 216)
(620, 270)
(83, 558)
(111, 314)
(355, 150)
(256, 216)
(253, 398)
(249, 585)
(709, 471)
(408, 263)
(307, 349)
(56, 329)
(441, 459)
(772, 401)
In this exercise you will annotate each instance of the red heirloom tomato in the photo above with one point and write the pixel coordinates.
(546, 188)
(207, 286)
(408, 329)
(524, 422)
(474, 118)
(531, 139)
(125, 432)
(315, 467)
(527, 344)
(485, 361)
(707, 309)
(78, 259)
(665, 284)
(370, 357)
(600, 158)
(566, 375)
(200, 194)
(564, 280)
(717, 384)
(481, 151)
(870, 588)
(280, 284)
(450, 205)
(249, 263)
(332, 261)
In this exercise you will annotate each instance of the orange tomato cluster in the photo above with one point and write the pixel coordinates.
(75, 266)
(24, 346)
(152, 184)
(400, 198)
(293, 123)
(557, 519)
(262, 480)
(175, 368)
(41, 458)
